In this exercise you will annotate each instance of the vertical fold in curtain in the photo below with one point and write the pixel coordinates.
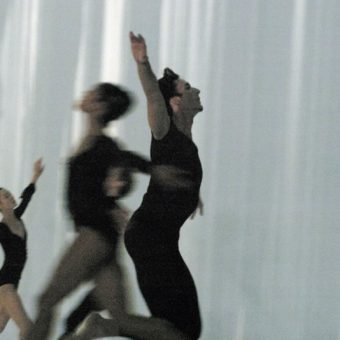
(18, 60)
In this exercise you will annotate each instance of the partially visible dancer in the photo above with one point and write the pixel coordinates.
(93, 186)
(152, 234)
(13, 239)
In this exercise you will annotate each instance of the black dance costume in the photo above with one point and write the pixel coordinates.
(87, 202)
(153, 233)
(15, 246)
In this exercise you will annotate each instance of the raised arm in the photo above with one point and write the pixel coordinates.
(38, 168)
(29, 191)
(158, 117)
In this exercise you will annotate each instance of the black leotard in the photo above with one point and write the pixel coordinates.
(178, 150)
(14, 246)
(87, 202)
(153, 233)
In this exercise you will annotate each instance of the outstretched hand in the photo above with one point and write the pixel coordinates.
(38, 169)
(171, 177)
(138, 48)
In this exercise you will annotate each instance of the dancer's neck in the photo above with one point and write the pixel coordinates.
(183, 123)
(8, 215)
(94, 128)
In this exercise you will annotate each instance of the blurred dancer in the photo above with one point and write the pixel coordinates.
(13, 239)
(93, 207)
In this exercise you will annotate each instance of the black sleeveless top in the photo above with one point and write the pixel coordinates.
(86, 199)
(176, 149)
(14, 246)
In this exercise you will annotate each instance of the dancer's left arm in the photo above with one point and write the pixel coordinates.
(28, 192)
(169, 176)
(136, 162)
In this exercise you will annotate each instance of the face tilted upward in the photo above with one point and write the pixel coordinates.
(189, 95)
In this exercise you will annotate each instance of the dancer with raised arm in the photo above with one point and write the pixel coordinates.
(13, 239)
(152, 234)
(93, 187)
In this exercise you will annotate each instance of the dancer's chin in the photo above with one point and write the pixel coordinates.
(200, 109)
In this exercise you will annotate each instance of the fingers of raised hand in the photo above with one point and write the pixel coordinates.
(136, 38)
(141, 38)
(132, 36)
(38, 165)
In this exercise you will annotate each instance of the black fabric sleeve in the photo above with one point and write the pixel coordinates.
(136, 162)
(26, 197)
(2, 234)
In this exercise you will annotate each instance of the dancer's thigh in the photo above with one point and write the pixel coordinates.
(12, 307)
(80, 262)
(3, 318)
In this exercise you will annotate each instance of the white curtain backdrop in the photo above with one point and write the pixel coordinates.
(265, 255)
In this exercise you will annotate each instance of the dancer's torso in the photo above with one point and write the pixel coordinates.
(178, 150)
(86, 198)
(14, 246)
(87, 201)
(13, 239)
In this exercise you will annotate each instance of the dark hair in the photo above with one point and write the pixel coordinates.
(117, 101)
(167, 86)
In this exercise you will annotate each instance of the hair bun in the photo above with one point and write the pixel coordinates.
(169, 74)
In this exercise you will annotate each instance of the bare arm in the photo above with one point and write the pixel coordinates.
(38, 168)
(158, 117)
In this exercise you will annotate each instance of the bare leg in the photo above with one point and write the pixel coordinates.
(110, 294)
(138, 327)
(3, 319)
(144, 328)
(12, 305)
(79, 263)
(78, 315)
